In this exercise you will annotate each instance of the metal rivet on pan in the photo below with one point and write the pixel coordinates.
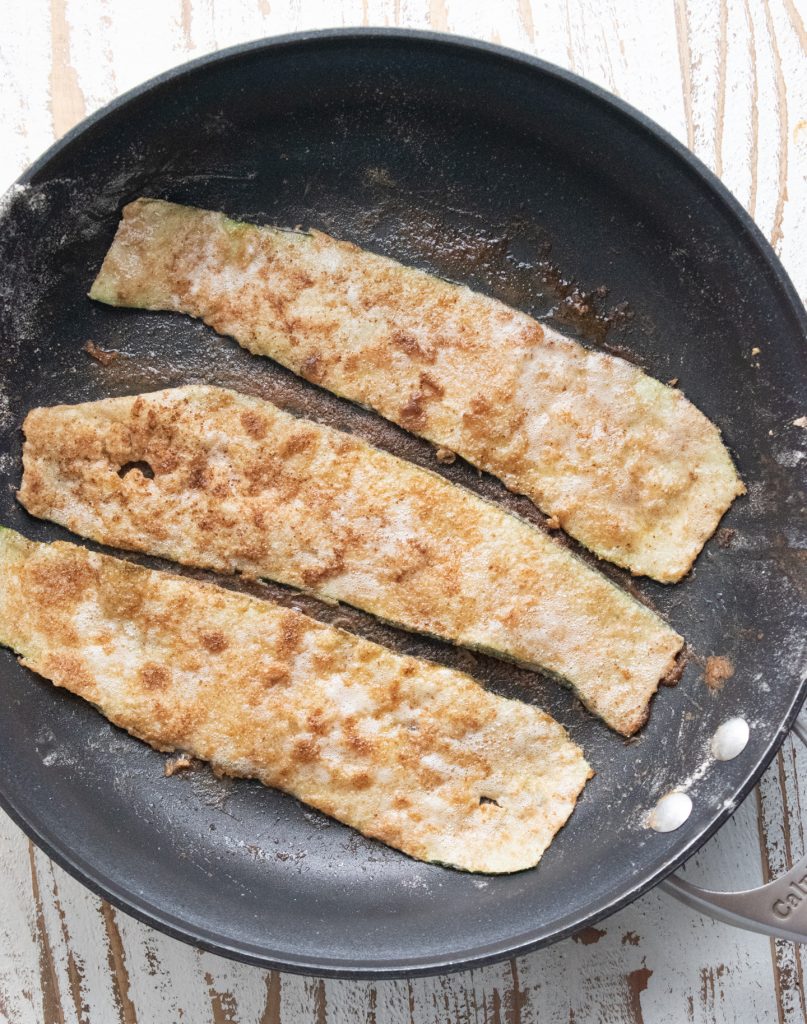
(670, 812)
(730, 739)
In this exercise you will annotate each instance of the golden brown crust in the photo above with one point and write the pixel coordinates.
(400, 749)
(625, 464)
(239, 485)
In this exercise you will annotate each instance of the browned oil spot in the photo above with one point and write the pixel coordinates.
(274, 675)
(312, 369)
(637, 983)
(291, 635)
(430, 387)
(589, 936)
(178, 764)
(725, 536)
(63, 580)
(121, 602)
(214, 642)
(254, 424)
(154, 677)
(469, 252)
(413, 414)
(630, 939)
(411, 346)
(316, 722)
(305, 750)
(719, 670)
(197, 477)
(329, 567)
(101, 355)
(116, 960)
(297, 443)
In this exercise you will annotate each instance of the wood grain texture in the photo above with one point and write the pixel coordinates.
(728, 78)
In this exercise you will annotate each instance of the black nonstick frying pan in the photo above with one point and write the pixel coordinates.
(490, 168)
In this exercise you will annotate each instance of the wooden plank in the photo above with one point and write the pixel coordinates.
(726, 77)
(780, 799)
(24, 975)
(643, 963)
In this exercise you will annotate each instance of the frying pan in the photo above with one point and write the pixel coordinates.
(483, 166)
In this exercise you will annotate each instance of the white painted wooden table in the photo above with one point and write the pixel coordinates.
(729, 78)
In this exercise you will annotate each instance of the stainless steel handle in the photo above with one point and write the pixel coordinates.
(778, 908)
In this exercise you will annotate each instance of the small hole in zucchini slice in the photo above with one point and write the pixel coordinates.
(144, 468)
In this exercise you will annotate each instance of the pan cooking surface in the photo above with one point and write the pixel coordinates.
(497, 171)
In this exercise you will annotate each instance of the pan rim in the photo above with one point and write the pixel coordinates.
(142, 909)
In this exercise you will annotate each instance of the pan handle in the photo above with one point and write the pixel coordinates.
(778, 908)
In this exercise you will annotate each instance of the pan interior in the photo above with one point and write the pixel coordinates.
(519, 182)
